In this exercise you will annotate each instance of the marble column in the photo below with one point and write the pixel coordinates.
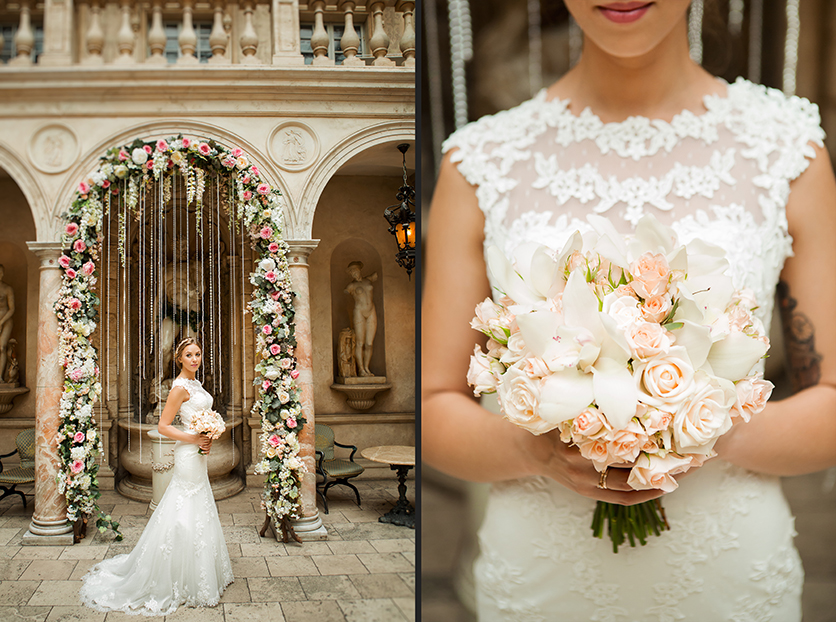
(310, 526)
(49, 521)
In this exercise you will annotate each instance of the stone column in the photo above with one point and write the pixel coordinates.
(49, 522)
(310, 526)
(287, 47)
(58, 33)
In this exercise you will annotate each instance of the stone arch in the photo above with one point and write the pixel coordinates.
(21, 175)
(300, 218)
(164, 128)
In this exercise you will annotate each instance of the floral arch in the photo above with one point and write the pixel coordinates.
(120, 182)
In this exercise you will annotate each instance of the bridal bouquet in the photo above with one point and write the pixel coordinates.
(637, 349)
(207, 422)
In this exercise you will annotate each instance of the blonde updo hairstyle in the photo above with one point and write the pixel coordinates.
(181, 347)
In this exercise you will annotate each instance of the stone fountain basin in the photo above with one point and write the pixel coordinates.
(223, 461)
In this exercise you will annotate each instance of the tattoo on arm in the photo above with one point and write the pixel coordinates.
(799, 341)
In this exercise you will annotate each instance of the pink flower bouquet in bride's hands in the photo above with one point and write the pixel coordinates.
(207, 422)
(637, 349)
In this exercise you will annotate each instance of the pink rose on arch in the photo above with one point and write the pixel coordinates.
(76, 375)
(266, 329)
(286, 363)
(123, 155)
(237, 152)
(115, 190)
(148, 149)
(83, 187)
(89, 268)
(149, 165)
(275, 440)
(79, 246)
(273, 248)
(79, 437)
(204, 149)
(71, 229)
(71, 273)
(266, 385)
(64, 261)
(77, 466)
(266, 233)
(275, 349)
(263, 188)
(162, 145)
(275, 296)
(291, 422)
(106, 184)
(271, 276)
(294, 374)
(254, 169)
(247, 195)
(246, 179)
(186, 143)
(74, 304)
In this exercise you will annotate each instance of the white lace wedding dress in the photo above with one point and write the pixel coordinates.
(722, 175)
(181, 557)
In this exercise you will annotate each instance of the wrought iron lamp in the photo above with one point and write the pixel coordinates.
(401, 219)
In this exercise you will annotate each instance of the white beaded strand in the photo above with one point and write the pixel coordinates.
(736, 9)
(461, 51)
(535, 47)
(791, 47)
(695, 30)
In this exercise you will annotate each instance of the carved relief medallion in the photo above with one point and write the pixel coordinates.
(53, 148)
(293, 146)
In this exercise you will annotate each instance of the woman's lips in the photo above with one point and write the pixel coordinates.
(624, 12)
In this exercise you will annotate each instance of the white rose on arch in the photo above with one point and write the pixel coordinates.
(139, 156)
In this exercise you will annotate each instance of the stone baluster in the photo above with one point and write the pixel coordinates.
(94, 38)
(24, 37)
(188, 37)
(350, 42)
(379, 41)
(310, 526)
(407, 43)
(156, 36)
(218, 39)
(249, 38)
(125, 38)
(49, 520)
(319, 39)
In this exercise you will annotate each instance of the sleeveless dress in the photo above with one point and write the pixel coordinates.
(181, 557)
(723, 176)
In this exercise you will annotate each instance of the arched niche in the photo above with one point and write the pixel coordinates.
(342, 304)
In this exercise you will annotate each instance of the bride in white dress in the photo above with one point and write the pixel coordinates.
(181, 557)
(635, 128)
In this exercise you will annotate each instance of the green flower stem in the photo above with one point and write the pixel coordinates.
(631, 523)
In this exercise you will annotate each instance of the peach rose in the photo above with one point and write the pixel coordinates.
(597, 452)
(515, 349)
(534, 366)
(739, 318)
(519, 396)
(480, 375)
(647, 339)
(656, 308)
(625, 445)
(666, 379)
(655, 420)
(752, 395)
(654, 472)
(702, 418)
(493, 320)
(651, 275)
(587, 424)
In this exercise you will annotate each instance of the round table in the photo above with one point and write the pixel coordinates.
(400, 458)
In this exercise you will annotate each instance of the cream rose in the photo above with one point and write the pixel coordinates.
(656, 308)
(588, 424)
(647, 339)
(623, 309)
(654, 472)
(703, 417)
(665, 380)
(515, 349)
(493, 320)
(480, 375)
(651, 275)
(752, 395)
(597, 452)
(519, 396)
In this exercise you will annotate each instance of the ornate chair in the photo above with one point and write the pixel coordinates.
(333, 470)
(25, 473)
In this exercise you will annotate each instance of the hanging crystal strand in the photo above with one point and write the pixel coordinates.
(188, 268)
(120, 307)
(220, 381)
(695, 30)
(139, 356)
(158, 223)
(199, 241)
(755, 40)
(244, 365)
(461, 50)
(106, 294)
(233, 323)
(535, 47)
(791, 47)
(209, 218)
(736, 8)
(575, 42)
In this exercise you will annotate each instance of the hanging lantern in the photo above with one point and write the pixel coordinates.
(401, 219)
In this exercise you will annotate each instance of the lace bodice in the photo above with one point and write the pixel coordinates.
(198, 401)
(722, 175)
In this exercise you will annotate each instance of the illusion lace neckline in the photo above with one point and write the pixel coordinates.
(709, 101)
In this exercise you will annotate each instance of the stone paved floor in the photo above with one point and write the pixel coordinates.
(364, 572)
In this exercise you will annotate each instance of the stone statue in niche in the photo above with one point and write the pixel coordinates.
(364, 317)
(347, 364)
(7, 310)
(294, 147)
(13, 375)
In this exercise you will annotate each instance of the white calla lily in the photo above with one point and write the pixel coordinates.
(615, 392)
(734, 356)
(610, 244)
(651, 236)
(564, 395)
(696, 339)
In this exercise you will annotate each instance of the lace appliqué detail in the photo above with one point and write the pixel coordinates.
(499, 581)
(779, 576)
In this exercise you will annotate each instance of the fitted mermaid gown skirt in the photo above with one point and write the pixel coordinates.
(181, 557)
